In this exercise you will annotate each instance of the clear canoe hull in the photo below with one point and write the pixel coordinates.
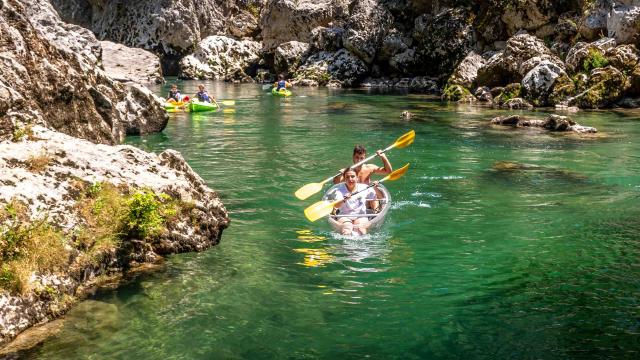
(375, 219)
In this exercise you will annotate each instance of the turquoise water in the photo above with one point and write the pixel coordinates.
(501, 243)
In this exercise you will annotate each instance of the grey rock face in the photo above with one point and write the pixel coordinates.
(51, 77)
(443, 40)
(368, 23)
(466, 72)
(287, 20)
(326, 39)
(220, 57)
(623, 23)
(166, 27)
(289, 55)
(127, 64)
(324, 67)
(539, 81)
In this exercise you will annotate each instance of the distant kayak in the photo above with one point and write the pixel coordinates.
(198, 106)
(173, 105)
(282, 92)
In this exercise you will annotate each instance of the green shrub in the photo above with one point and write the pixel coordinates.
(143, 218)
(594, 60)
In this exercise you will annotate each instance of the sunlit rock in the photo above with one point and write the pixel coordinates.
(222, 58)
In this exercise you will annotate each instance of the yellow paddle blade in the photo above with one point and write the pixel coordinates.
(405, 140)
(397, 174)
(308, 190)
(228, 102)
(318, 210)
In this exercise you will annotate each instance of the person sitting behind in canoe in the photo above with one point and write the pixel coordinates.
(281, 84)
(203, 96)
(353, 205)
(174, 94)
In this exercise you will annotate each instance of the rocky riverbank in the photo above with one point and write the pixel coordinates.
(511, 54)
(75, 207)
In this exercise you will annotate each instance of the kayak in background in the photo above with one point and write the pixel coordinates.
(198, 106)
(173, 105)
(281, 92)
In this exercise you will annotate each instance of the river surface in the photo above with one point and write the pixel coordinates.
(501, 243)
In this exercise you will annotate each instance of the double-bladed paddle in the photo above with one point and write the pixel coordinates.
(323, 207)
(312, 188)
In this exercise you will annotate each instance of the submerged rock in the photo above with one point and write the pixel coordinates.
(552, 122)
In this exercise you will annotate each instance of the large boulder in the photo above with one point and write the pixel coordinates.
(243, 24)
(522, 53)
(594, 21)
(623, 57)
(605, 87)
(623, 22)
(222, 58)
(127, 64)
(288, 20)
(339, 68)
(539, 81)
(367, 26)
(530, 15)
(289, 55)
(466, 72)
(51, 76)
(326, 38)
(581, 51)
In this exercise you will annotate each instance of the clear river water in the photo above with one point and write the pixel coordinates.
(501, 243)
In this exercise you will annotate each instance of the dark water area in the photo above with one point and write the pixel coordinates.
(501, 243)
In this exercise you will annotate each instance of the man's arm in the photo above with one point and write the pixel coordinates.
(387, 169)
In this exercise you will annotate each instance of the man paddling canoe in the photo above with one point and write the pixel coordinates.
(365, 171)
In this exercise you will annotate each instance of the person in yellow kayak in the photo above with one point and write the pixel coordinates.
(281, 84)
(174, 94)
(353, 205)
(203, 96)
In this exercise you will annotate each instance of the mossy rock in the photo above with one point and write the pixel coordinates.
(606, 86)
(457, 93)
(509, 92)
(563, 89)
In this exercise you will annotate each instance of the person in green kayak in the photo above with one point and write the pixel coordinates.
(203, 96)
(174, 94)
(353, 205)
(281, 84)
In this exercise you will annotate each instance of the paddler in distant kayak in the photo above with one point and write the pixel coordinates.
(174, 94)
(203, 96)
(281, 84)
(353, 205)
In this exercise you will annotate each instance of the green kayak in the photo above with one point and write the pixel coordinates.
(197, 106)
(282, 92)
